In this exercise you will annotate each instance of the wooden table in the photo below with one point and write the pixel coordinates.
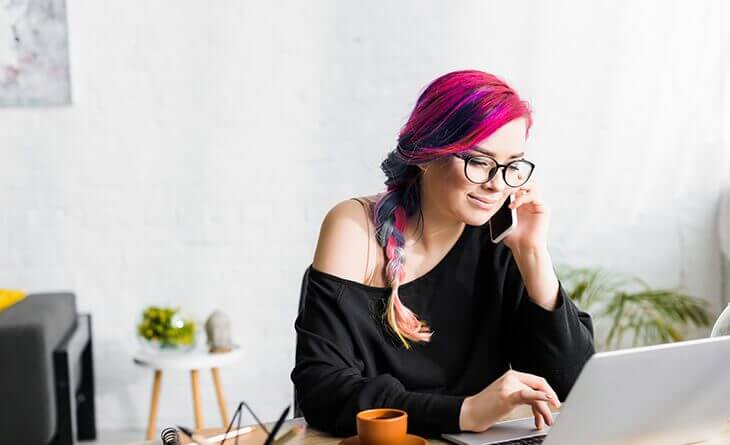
(310, 437)
(315, 437)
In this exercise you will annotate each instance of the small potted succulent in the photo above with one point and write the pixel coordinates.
(166, 329)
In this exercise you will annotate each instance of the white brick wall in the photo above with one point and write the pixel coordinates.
(205, 143)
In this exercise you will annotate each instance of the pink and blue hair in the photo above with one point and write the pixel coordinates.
(453, 114)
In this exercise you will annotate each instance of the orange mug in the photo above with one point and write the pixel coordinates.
(382, 426)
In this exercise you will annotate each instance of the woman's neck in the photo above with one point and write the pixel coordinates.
(436, 230)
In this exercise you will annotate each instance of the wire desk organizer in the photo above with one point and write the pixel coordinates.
(171, 436)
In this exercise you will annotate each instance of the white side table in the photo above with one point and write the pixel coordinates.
(193, 361)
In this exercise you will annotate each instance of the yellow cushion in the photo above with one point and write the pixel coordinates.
(9, 297)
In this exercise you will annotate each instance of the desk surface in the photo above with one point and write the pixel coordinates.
(310, 437)
(315, 437)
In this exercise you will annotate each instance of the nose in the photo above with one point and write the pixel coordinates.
(497, 183)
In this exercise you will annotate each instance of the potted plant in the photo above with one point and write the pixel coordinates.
(166, 329)
(624, 305)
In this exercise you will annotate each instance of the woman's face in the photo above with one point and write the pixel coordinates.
(446, 188)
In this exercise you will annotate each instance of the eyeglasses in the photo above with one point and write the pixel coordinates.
(481, 169)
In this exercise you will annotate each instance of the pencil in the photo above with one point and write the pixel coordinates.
(222, 437)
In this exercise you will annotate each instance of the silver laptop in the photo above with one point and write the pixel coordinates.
(677, 393)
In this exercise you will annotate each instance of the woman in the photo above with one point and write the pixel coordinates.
(410, 305)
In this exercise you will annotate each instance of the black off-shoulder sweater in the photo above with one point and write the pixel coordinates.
(484, 323)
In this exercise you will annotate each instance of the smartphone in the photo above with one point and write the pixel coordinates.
(503, 222)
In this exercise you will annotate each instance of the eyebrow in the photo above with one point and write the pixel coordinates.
(493, 155)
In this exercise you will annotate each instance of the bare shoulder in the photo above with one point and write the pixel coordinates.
(342, 247)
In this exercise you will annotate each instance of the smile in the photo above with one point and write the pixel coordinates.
(482, 203)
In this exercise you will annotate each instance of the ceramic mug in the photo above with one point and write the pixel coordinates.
(382, 426)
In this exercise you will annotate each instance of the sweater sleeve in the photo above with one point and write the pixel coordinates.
(328, 375)
(552, 344)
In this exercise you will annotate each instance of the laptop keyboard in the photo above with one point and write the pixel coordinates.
(526, 441)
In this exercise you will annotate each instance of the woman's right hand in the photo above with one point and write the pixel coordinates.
(479, 412)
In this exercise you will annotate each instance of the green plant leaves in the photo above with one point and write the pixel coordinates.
(629, 306)
(165, 326)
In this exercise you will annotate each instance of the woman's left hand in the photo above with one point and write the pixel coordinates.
(533, 219)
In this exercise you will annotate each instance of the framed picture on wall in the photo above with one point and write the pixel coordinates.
(34, 67)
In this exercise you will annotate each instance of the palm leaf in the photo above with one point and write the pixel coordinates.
(627, 305)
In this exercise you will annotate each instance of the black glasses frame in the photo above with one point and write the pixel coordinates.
(493, 172)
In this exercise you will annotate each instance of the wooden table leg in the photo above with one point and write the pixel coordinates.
(219, 394)
(151, 427)
(195, 378)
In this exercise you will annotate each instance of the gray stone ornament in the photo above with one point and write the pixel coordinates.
(218, 331)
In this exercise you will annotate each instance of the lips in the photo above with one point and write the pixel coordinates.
(484, 200)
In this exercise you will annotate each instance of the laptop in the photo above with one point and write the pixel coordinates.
(677, 393)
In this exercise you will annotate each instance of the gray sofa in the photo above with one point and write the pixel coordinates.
(46, 372)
